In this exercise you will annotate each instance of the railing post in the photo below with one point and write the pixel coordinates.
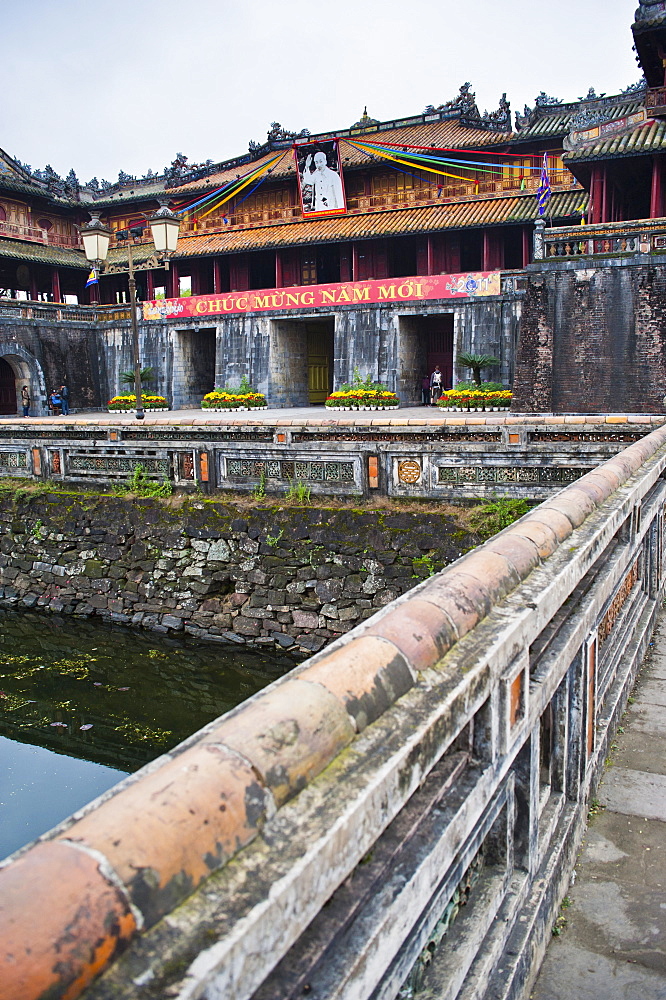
(538, 238)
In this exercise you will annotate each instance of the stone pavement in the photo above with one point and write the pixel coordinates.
(298, 415)
(613, 944)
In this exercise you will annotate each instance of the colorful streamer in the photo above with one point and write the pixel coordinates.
(423, 161)
(214, 199)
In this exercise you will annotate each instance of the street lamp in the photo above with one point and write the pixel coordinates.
(164, 226)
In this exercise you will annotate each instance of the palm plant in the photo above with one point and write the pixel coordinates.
(476, 362)
(127, 378)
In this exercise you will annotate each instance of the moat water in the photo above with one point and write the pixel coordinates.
(82, 705)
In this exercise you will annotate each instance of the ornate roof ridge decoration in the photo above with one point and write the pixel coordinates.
(589, 117)
(365, 121)
(545, 106)
(129, 182)
(276, 133)
(635, 88)
(465, 108)
(650, 10)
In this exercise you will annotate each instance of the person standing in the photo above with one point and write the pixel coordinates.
(435, 386)
(25, 401)
(425, 390)
(64, 400)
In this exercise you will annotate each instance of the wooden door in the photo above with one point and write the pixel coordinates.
(440, 346)
(7, 388)
(320, 353)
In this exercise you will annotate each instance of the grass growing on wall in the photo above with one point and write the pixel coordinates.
(483, 519)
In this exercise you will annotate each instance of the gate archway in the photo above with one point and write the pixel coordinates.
(18, 367)
(7, 388)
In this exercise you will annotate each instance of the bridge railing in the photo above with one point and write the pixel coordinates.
(399, 813)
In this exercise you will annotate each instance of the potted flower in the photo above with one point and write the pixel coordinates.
(242, 398)
(492, 397)
(126, 403)
(362, 394)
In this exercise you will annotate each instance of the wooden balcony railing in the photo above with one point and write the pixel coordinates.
(60, 311)
(410, 198)
(35, 235)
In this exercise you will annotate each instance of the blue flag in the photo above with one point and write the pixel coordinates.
(543, 192)
(92, 278)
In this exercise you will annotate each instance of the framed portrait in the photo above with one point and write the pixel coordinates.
(320, 181)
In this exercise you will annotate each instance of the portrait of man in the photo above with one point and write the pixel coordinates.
(320, 179)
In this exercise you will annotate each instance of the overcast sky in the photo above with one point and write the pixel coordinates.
(126, 84)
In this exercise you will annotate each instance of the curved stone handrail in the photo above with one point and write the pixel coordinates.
(70, 903)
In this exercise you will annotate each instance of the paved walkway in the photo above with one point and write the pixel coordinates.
(298, 415)
(613, 945)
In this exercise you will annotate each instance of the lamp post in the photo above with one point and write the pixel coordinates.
(164, 226)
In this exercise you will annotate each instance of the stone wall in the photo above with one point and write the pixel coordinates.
(89, 347)
(593, 338)
(45, 352)
(291, 578)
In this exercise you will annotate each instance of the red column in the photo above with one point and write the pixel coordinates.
(354, 276)
(217, 275)
(596, 195)
(656, 195)
(55, 284)
(173, 282)
(430, 256)
(345, 262)
(150, 285)
(453, 253)
(279, 282)
(605, 201)
(493, 250)
(34, 291)
(527, 246)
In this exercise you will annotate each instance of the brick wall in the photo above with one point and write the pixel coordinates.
(593, 340)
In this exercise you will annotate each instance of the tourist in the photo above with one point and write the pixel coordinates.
(64, 400)
(435, 386)
(425, 390)
(25, 401)
(55, 402)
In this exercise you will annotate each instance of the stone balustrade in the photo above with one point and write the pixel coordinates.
(604, 240)
(401, 811)
(438, 455)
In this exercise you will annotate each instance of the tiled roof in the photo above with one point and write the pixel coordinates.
(447, 133)
(427, 219)
(555, 120)
(43, 254)
(648, 137)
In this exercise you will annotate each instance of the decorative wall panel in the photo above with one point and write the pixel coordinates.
(467, 474)
(315, 472)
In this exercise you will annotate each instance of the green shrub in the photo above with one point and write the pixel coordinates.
(489, 518)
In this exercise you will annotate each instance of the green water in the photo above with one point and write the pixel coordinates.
(82, 705)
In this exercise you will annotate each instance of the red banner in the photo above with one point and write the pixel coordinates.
(437, 286)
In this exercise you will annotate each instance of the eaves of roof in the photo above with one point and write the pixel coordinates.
(649, 137)
(555, 120)
(9, 182)
(43, 254)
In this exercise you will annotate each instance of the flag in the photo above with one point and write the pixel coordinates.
(92, 278)
(543, 191)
